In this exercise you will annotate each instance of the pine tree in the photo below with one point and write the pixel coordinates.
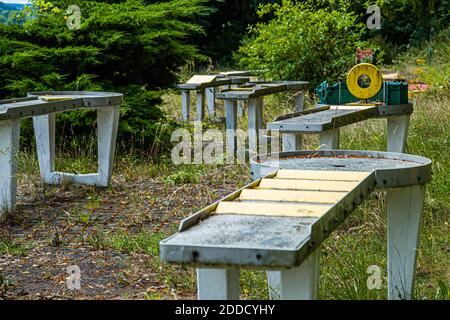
(127, 46)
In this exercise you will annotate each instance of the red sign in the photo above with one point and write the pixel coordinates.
(364, 55)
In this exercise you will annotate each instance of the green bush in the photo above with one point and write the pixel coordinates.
(435, 68)
(404, 23)
(302, 43)
(437, 72)
(184, 176)
(126, 46)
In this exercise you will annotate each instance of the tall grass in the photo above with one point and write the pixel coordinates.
(357, 244)
(361, 241)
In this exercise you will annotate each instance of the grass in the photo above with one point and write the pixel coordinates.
(184, 175)
(361, 241)
(358, 243)
(147, 243)
(10, 246)
(13, 248)
(4, 284)
(123, 241)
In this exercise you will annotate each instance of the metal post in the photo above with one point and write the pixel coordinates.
(185, 105)
(44, 131)
(218, 284)
(231, 126)
(404, 211)
(329, 140)
(200, 105)
(9, 147)
(300, 283)
(397, 133)
(211, 100)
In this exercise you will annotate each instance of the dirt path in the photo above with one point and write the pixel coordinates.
(111, 234)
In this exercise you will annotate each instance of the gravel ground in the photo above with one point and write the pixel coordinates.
(111, 234)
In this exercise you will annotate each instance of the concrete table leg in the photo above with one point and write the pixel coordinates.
(255, 119)
(241, 107)
(200, 105)
(329, 140)
(404, 211)
(107, 126)
(210, 101)
(300, 283)
(299, 102)
(44, 131)
(9, 147)
(231, 126)
(397, 133)
(108, 123)
(185, 105)
(218, 284)
(241, 104)
(292, 142)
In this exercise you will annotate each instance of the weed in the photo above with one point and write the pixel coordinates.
(13, 248)
(184, 176)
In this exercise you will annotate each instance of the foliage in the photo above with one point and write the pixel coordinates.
(437, 73)
(9, 12)
(434, 68)
(302, 42)
(412, 21)
(184, 176)
(404, 23)
(226, 26)
(437, 77)
(126, 46)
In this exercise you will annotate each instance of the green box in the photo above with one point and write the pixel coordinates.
(392, 93)
(396, 93)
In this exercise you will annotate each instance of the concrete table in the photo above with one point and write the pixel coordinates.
(42, 107)
(326, 120)
(277, 222)
(205, 86)
(254, 93)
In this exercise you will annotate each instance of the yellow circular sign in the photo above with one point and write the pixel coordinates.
(364, 81)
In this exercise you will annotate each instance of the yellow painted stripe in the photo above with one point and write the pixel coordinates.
(291, 196)
(322, 175)
(352, 107)
(55, 98)
(200, 79)
(317, 185)
(271, 209)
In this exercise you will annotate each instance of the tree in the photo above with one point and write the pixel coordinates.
(302, 42)
(127, 46)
